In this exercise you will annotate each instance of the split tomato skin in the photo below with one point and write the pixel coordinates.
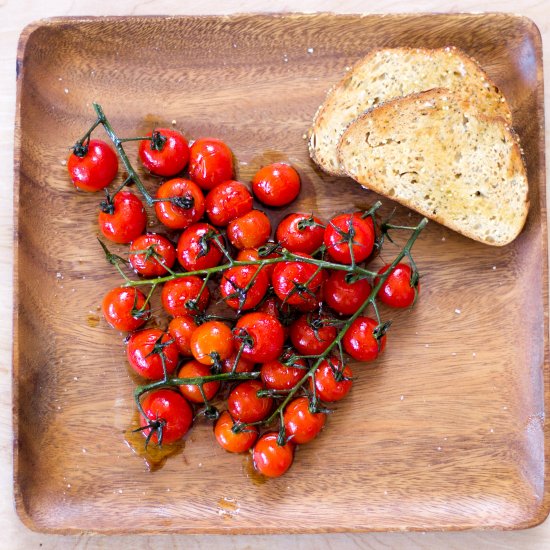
(249, 231)
(184, 296)
(96, 169)
(229, 440)
(152, 265)
(270, 458)
(145, 360)
(210, 163)
(266, 336)
(190, 197)
(227, 201)
(123, 219)
(302, 425)
(336, 238)
(170, 158)
(276, 184)
(119, 308)
(396, 291)
(359, 341)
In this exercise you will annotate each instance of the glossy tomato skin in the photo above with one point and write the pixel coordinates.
(244, 404)
(96, 169)
(302, 425)
(210, 163)
(300, 233)
(152, 265)
(172, 157)
(363, 239)
(396, 291)
(212, 340)
(312, 335)
(197, 247)
(243, 365)
(276, 184)
(144, 360)
(359, 340)
(249, 231)
(231, 441)
(327, 387)
(170, 407)
(270, 458)
(181, 328)
(227, 201)
(343, 297)
(252, 254)
(124, 220)
(177, 217)
(118, 305)
(266, 334)
(236, 279)
(194, 369)
(183, 296)
(278, 376)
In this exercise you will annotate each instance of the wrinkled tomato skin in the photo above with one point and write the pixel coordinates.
(244, 404)
(249, 231)
(191, 255)
(127, 221)
(301, 425)
(359, 341)
(309, 342)
(174, 216)
(117, 307)
(212, 337)
(152, 266)
(306, 240)
(266, 333)
(343, 297)
(142, 358)
(171, 159)
(231, 441)
(271, 459)
(227, 201)
(363, 239)
(181, 328)
(396, 291)
(194, 369)
(327, 388)
(96, 169)
(237, 278)
(278, 376)
(276, 184)
(210, 163)
(178, 295)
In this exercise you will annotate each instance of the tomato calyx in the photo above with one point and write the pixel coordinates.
(308, 222)
(157, 141)
(80, 149)
(204, 242)
(157, 427)
(380, 331)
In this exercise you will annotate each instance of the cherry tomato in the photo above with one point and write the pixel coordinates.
(197, 247)
(183, 204)
(166, 154)
(278, 376)
(290, 278)
(181, 328)
(337, 236)
(301, 233)
(237, 279)
(123, 219)
(301, 424)
(183, 296)
(249, 231)
(227, 201)
(243, 365)
(332, 382)
(262, 334)
(270, 458)
(194, 369)
(277, 184)
(123, 308)
(211, 342)
(151, 255)
(396, 291)
(231, 441)
(359, 340)
(244, 404)
(251, 254)
(343, 297)
(94, 170)
(210, 162)
(145, 351)
(168, 413)
(312, 335)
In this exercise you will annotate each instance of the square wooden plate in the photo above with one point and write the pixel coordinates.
(446, 431)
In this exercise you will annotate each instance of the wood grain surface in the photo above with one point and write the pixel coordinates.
(20, 538)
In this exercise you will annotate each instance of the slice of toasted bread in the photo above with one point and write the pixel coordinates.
(434, 153)
(386, 74)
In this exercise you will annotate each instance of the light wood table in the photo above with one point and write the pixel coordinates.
(14, 15)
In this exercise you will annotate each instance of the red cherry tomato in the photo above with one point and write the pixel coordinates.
(94, 170)
(251, 254)
(151, 255)
(194, 369)
(231, 441)
(123, 308)
(332, 382)
(168, 413)
(396, 291)
(301, 424)
(290, 278)
(263, 337)
(180, 329)
(197, 247)
(184, 296)
(212, 342)
(312, 335)
(278, 376)
(301, 233)
(145, 351)
(249, 231)
(277, 184)
(227, 201)
(270, 458)
(182, 204)
(343, 297)
(243, 365)
(166, 154)
(337, 236)
(244, 404)
(359, 340)
(210, 162)
(123, 219)
(235, 282)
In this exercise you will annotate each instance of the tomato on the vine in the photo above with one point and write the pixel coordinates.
(181, 328)
(262, 337)
(166, 152)
(92, 166)
(244, 404)
(234, 442)
(270, 458)
(332, 380)
(360, 341)
(252, 255)
(198, 247)
(210, 162)
(179, 203)
(276, 375)
(125, 308)
(152, 255)
(194, 369)
(212, 342)
(150, 351)
(301, 233)
(343, 297)
(302, 425)
(122, 218)
(250, 230)
(276, 184)
(243, 286)
(349, 237)
(227, 201)
(397, 291)
(312, 335)
(184, 296)
(243, 365)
